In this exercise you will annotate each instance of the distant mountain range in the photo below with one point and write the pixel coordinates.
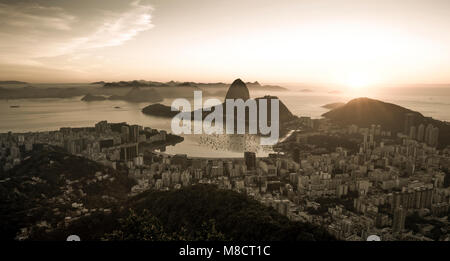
(141, 83)
(117, 90)
(364, 112)
(12, 82)
(137, 94)
(29, 92)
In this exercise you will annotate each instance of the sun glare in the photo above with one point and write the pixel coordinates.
(359, 83)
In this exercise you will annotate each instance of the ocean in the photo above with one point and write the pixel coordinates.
(52, 114)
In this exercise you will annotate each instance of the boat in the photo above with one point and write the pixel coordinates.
(14, 106)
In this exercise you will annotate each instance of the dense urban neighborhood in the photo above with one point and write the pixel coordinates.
(352, 182)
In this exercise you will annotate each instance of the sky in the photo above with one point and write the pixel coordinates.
(345, 42)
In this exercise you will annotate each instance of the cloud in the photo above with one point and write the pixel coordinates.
(33, 17)
(120, 28)
(32, 32)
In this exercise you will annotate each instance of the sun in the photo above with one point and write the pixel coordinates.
(359, 83)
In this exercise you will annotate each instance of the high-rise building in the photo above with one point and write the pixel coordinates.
(434, 137)
(420, 132)
(428, 133)
(250, 160)
(431, 135)
(179, 159)
(396, 201)
(409, 122)
(134, 133)
(125, 134)
(398, 223)
(412, 132)
(129, 152)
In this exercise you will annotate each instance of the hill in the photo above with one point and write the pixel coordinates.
(238, 90)
(159, 110)
(52, 194)
(50, 185)
(137, 94)
(364, 112)
(193, 213)
(236, 216)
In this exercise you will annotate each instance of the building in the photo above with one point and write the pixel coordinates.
(434, 137)
(125, 131)
(409, 122)
(250, 160)
(413, 132)
(429, 134)
(134, 133)
(421, 132)
(398, 223)
(128, 152)
(106, 143)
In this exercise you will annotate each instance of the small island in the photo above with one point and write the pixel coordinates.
(12, 82)
(333, 105)
(90, 97)
(159, 110)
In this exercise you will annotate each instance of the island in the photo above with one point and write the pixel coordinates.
(12, 82)
(90, 97)
(333, 105)
(159, 110)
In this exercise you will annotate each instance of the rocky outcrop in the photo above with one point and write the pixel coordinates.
(238, 90)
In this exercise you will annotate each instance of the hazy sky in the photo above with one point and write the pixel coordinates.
(353, 42)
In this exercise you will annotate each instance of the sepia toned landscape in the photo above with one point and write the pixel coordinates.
(357, 94)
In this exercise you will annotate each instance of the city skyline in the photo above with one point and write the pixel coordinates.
(231, 121)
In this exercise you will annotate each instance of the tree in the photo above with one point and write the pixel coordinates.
(134, 227)
(146, 227)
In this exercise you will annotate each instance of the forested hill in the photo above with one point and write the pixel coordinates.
(364, 112)
(200, 212)
(52, 187)
(236, 216)
(53, 194)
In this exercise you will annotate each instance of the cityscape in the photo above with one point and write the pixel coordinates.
(371, 189)
(225, 128)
